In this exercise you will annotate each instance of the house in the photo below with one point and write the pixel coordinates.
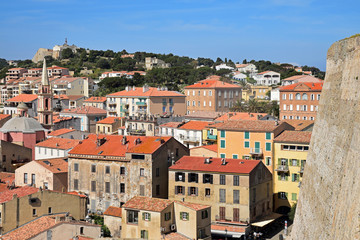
(300, 100)
(49, 174)
(68, 133)
(15, 73)
(111, 169)
(140, 126)
(254, 139)
(98, 102)
(54, 148)
(247, 67)
(89, 116)
(300, 79)
(153, 62)
(21, 205)
(267, 78)
(301, 125)
(154, 218)
(204, 151)
(30, 100)
(290, 153)
(76, 100)
(238, 191)
(139, 101)
(54, 226)
(212, 95)
(72, 86)
(239, 76)
(112, 219)
(109, 125)
(169, 128)
(223, 66)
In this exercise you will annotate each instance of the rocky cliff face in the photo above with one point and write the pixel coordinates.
(329, 201)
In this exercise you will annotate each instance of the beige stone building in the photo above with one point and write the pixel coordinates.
(109, 125)
(21, 205)
(153, 218)
(211, 95)
(49, 174)
(111, 169)
(141, 126)
(112, 219)
(98, 102)
(13, 155)
(137, 101)
(238, 191)
(204, 151)
(153, 62)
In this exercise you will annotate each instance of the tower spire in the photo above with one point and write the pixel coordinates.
(45, 78)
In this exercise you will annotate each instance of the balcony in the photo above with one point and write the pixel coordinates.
(256, 151)
(137, 132)
(301, 169)
(112, 103)
(111, 109)
(211, 137)
(141, 103)
(189, 139)
(282, 168)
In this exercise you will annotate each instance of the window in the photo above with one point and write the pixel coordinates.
(284, 96)
(204, 103)
(193, 103)
(184, 216)
(192, 191)
(34, 212)
(93, 186)
(294, 162)
(32, 179)
(76, 184)
(222, 133)
(284, 107)
(204, 93)
(222, 179)
(188, 103)
(107, 169)
(246, 135)
(122, 187)
(132, 216)
(167, 216)
(222, 195)
(122, 170)
(46, 185)
(236, 196)
(219, 103)
(207, 192)
(193, 177)
(107, 187)
(246, 144)
(282, 195)
(142, 190)
(298, 96)
(142, 172)
(268, 146)
(198, 93)
(290, 96)
(219, 93)
(312, 97)
(295, 177)
(179, 177)
(208, 178)
(93, 168)
(204, 214)
(210, 93)
(318, 97)
(236, 181)
(235, 156)
(179, 190)
(146, 216)
(209, 103)
(49, 210)
(222, 144)
(25, 178)
(268, 161)
(222, 213)
(76, 167)
(198, 103)
(291, 108)
(268, 136)
(236, 215)
(157, 172)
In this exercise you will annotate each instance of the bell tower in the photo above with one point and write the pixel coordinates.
(45, 100)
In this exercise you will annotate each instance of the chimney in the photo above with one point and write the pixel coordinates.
(134, 88)
(276, 122)
(127, 88)
(223, 161)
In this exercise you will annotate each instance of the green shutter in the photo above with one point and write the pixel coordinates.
(286, 194)
(149, 216)
(222, 133)
(297, 162)
(143, 216)
(279, 177)
(286, 177)
(247, 135)
(268, 146)
(222, 143)
(222, 155)
(246, 144)
(235, 156)
(187, 216)
(279, 161)
(293, 177)
(287, 162)
(294, 196)
(181, 213)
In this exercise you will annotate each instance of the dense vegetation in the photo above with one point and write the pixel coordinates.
(256, 106)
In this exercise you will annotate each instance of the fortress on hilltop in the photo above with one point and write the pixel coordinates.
(55, 52)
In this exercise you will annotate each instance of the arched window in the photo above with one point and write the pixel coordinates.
(298, 96)
(304, 96)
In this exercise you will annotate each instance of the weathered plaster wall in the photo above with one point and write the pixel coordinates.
(329, 205)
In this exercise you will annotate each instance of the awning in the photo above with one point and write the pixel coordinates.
(266, 220)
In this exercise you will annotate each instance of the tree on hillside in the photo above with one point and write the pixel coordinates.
(66, 53)
(3, 63)
(244, 61)
(103, 63)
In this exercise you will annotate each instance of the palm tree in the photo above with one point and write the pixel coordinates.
(239, 106)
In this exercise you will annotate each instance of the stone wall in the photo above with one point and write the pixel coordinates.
(329, 205)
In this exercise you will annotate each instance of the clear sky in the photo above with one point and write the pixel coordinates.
(293, 31)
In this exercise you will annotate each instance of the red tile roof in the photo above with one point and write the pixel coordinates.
(20, 192)
(213, 147)
(195, 125)
(85, 110)
(309, 86)
(77, 194)
(57, 118)
(198, 164)
(229, 228)
(3, 116)
(56, 67)
(170, 124)
(60, 132)
(152, 92)
(109, 120)
(61, 96)
(96, 99)
(113, 145)
(193, 206)
(299, 125)
(294, 137)
(6, 177)
(176, 236)
(249, 125)
(113, 211)
(75, 97)
(26, 98)
(64, 80)
(148, 204)
(55, 165)
(212, 82)
(304, 78)
(240, 116)
(58, 143)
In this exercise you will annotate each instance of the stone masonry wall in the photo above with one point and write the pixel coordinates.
(329, 201)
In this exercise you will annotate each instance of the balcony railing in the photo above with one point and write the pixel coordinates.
(189, 139)
(141, 103)
(212, 137)
(140, 132)
(111, 109)
(256, 151)
(282, 168)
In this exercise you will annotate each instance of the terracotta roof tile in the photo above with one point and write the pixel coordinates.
(193, 206)
(3, 116)
(61, 96)
(60, 132)
(55, 165)
(20, 192)
(229, 228)
(109, 120)
(317, 87)
(176, 236)
(57, 118)
(148, 204)
(152, 92)
(75, 97)
(198, 164)
(240, 116)
(213, 147)
(96, 99)
(294, 137)
(26, 98)
(204, 114)
(299, 125)
(85, 110)
(195, 125)
(170, 124)
(113, 145)
(58, 143)
(113, 211)
(249, 125)
(64, 80)
(212, 82)
(7, 177)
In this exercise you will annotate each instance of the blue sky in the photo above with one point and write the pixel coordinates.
(294, 31)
